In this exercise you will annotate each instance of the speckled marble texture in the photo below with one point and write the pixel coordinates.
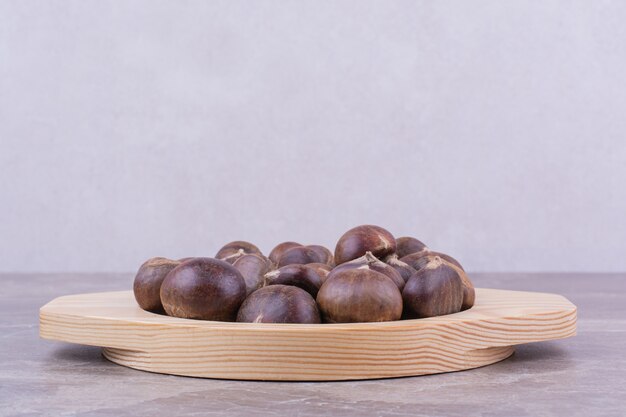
(581, 376)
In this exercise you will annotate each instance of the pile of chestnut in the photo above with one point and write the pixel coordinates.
(371, 277)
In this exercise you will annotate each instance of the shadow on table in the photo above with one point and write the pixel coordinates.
(78, 353)
(537, 358)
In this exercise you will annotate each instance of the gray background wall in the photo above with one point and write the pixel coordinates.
(492, 130)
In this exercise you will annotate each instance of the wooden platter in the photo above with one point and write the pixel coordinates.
(485, 334)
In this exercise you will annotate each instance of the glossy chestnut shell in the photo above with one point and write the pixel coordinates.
(147, 284)
(359, 295)
(421, 259)
(323, 270)
(279, 304)
(301, 276)
(325, 255)
(407, 245)
(367, 238)
(203, 288)
(281, 248)
(434, 290)
(299, 255)
(252, 267)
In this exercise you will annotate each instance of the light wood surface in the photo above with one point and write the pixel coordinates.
(480, 336)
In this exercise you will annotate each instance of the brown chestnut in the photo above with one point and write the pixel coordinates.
(325, 255)
(367, 238)
(469, 293)
(369, 261)
(299, 255)
(405, 270)
(233, 250)
(297, 275)
(359, 295)
(434, 290)
(322, 270)
(147, 284)
(281, 248)
(420, 259)
(408, 245)
(203, 288)
(252, 267)
(279, 304)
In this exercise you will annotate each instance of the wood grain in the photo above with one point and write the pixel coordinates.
(314, 352)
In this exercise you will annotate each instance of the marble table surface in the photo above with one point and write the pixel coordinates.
(580, 376)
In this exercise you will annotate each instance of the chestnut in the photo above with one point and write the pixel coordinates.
(369, 261)
(367, 238)
(298, 255)
(325, 255)
(405, 270)
(359, 295)
(281, 248)
(434, 290)
(147, 284)
(297, 275)
(203, 288)
(252, 267)
(233, 250)
(279, 304)
(408, 245)
(322, 270)
(421, 259)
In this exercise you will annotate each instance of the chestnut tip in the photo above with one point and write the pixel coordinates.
(405, 270)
